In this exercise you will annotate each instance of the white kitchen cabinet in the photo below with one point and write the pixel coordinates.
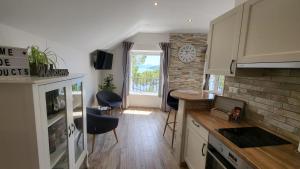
(270, 31)
(258, 33)
(43, 123)
(195, 145)
(223, 42)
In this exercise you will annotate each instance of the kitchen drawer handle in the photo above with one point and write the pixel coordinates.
(203, 145)
(231, 64)
(197, 125)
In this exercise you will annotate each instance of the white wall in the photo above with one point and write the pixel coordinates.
(238, 2)
(117, 68)
(142, 41)
(148, 41)
(144, 101)
(75, 60)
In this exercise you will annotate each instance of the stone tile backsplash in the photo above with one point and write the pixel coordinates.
(186, 75)
(272, 96)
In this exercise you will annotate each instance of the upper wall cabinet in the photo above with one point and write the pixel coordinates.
(270, 31)
(223, 42)
(259, 31)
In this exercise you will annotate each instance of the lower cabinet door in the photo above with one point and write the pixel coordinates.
(195, 150)
(55, 126)
(78, 123)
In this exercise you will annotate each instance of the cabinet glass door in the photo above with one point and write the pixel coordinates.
(57, 128)
(78, 120)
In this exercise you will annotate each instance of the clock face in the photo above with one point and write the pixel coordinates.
(187, 53)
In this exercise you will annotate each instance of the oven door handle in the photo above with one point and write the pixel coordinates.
(215, 158)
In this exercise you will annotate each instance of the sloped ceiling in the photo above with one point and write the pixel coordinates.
(91, 24)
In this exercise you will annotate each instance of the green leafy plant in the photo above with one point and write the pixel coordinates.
(38, 57)
(107, 85)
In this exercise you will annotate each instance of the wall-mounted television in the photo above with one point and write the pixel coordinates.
(102, 59)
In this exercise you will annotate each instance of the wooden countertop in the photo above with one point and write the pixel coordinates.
(269, 157)
(192, 95)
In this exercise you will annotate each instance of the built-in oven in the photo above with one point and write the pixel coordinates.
(215, 160)
(220, 156)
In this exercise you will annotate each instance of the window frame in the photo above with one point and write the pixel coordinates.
(146, 52)
(216, 84)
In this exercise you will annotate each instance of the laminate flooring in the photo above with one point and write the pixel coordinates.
(141, 143)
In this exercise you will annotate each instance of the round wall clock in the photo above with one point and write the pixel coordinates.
(187, 53)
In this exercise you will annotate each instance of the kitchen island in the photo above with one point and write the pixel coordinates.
(188, 99)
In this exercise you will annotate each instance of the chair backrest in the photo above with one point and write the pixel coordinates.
(103, 97)
(172, 101)
(98, 123)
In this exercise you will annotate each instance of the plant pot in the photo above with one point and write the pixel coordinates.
(33, 69)
(38, 69)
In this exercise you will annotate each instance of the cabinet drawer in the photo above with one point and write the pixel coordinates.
(195, 150)
(192, 124)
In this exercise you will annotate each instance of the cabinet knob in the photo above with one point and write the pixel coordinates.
(73, 128)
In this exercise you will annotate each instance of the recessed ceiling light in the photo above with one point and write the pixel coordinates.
(155, 3)
(189, 20)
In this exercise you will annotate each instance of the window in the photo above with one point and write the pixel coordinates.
(216, 84)
(145, 73)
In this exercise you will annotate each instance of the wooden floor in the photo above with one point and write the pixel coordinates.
(141, 143)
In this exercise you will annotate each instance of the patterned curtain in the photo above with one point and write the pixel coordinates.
(165, 64)
(126, 64)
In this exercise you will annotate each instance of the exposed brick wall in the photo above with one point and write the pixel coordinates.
(186, 75)
(273, 97)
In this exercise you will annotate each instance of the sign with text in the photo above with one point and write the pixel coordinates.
(13, 62)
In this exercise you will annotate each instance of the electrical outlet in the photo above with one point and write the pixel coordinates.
(233, 90)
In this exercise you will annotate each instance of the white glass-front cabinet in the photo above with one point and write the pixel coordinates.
(63, 109)
(77, 119)
(56, 131)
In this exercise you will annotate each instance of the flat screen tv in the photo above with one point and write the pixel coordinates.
(102, 59)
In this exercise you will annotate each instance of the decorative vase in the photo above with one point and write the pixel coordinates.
(38, 69)
(33, 69)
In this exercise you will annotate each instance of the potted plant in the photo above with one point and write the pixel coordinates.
(107, 85)
(38, 58)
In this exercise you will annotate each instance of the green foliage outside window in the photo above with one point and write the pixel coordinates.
(138, 60)
(149, 77)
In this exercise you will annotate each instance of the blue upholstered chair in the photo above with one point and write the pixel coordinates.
(97, 123)
(173, 104)
(109, 99)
